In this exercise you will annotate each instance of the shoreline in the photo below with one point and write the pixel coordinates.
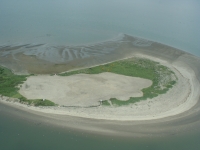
(160, 107)
(183, 117)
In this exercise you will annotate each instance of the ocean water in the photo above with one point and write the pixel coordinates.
(66, 22)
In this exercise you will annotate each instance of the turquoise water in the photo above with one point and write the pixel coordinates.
(67, 22)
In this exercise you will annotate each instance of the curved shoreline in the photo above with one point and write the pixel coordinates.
(183, 118)
(187, 86)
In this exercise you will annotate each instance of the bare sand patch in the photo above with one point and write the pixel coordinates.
(83, 89)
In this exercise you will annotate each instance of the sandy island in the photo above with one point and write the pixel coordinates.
(183, 96)
(177, 110)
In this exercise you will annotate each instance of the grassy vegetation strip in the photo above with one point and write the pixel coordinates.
(8, 87)
(163, 78)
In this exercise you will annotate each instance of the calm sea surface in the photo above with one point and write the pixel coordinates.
(71, 22)
(173, 22)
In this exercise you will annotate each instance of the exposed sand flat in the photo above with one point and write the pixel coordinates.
(83, 89)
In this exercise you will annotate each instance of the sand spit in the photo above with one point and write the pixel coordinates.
(182, 97)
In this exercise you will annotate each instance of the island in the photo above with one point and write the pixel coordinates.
(126, 79)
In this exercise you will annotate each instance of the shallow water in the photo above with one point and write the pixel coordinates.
(62, 22)
(66, 22)
(21, 133)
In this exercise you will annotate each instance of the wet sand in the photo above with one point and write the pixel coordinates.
(182, 116)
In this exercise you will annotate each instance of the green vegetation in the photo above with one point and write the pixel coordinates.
(105, 103)
(162, 77)
(8, 87)
(36, 102)
(40, 102)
